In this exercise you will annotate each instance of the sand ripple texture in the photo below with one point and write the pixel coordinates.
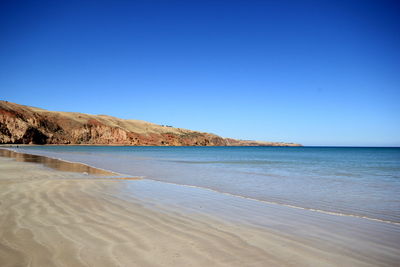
(49, 220)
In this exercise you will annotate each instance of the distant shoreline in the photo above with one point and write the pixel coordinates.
(31, 125)
(302, 146)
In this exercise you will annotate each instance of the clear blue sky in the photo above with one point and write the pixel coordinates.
(313, 72)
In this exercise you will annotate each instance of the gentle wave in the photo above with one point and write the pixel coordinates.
(241, 162)
(282, 204)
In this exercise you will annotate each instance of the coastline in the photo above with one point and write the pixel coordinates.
(62, 157)
(62, 218)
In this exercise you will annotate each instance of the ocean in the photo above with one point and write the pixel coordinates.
(348, 181)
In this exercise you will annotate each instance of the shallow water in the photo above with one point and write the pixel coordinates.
(56, 164)
(354, 181)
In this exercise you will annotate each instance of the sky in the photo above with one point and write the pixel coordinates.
(309, 72)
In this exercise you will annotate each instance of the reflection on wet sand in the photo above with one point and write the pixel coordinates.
(56, 163)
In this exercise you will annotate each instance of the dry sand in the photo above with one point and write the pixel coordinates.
(56, 218)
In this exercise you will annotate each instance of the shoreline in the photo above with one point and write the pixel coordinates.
(122, 176)
(245, 232)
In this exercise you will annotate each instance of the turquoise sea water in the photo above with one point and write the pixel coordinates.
(353, 181)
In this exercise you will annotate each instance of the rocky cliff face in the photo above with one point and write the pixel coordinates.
(29, 125)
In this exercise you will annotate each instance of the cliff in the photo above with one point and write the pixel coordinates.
(29, 125)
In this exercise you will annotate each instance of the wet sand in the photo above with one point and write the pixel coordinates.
(50, 217)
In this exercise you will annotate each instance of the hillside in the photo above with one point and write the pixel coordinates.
(21, 124)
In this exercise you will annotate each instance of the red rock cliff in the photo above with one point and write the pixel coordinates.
(29, 125)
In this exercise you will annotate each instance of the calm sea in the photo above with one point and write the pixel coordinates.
(354, 181)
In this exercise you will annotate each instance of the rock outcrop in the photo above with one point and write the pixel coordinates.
(29, 125)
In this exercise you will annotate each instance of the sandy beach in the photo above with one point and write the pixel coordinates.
(50, 217)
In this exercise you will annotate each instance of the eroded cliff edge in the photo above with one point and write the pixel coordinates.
(21, 124)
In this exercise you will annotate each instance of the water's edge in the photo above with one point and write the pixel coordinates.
(216, 191)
